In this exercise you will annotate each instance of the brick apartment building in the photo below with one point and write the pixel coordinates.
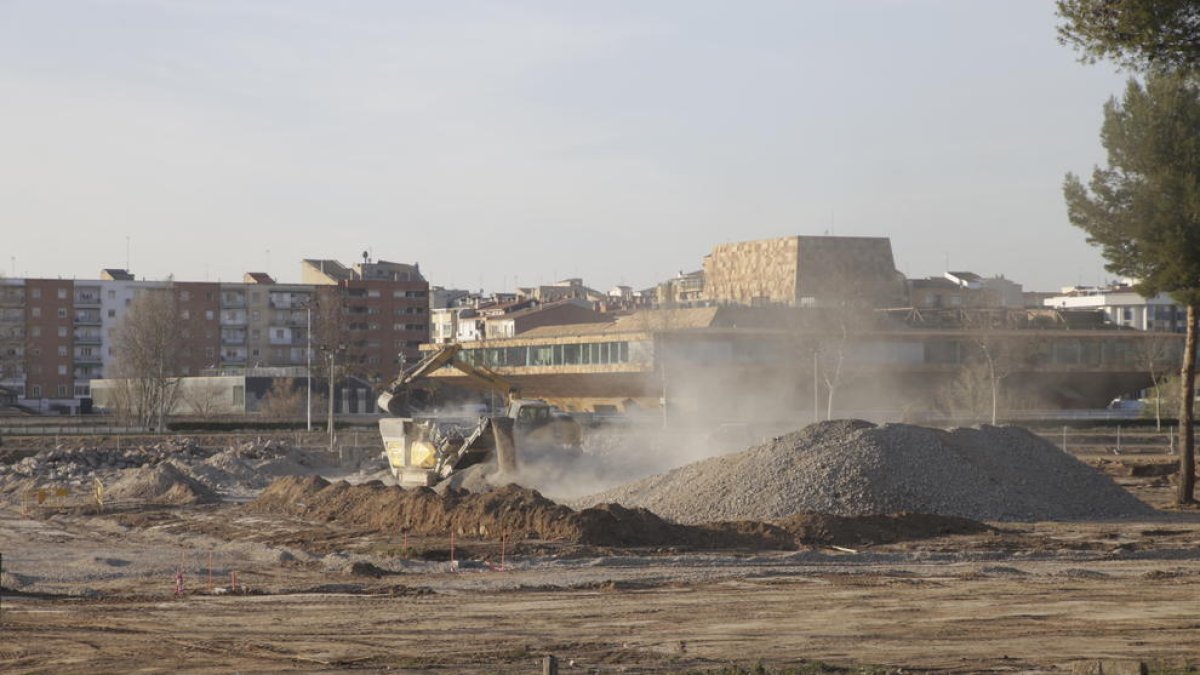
(56, 335)
(384, 308)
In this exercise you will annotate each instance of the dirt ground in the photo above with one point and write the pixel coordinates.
(96, 592)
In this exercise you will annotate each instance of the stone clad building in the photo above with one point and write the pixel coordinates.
(804, 271)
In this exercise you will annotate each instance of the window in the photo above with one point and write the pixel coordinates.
(185, 296)
(62, 312)
(35, 293)
(36, 331)
(62, 350)
(185, 333)
(185, 315)
(208, 314)
(62, 294)
(254, 315)
(112, 313)
(279, 332)
(112, 295)
(35, 391)
(62, 370)
(373, 293)
(62, 331)
(35, 312)
(61, 391)
(208, 352)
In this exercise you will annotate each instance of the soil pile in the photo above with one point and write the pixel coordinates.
(160, 484)
(520, 513)
(509, 510)
(854, 468)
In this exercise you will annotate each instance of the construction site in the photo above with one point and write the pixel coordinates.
(799, 471)
(839, 546)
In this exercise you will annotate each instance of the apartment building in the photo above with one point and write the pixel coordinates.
(12, 335)
(50, 327)
(384, 309)
(57, 335)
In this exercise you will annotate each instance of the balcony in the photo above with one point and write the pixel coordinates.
(233, 339)
(87, 318)
(87, 299)
(87, 358)
(86, 339)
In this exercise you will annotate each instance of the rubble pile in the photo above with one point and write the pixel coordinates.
(67, 464)
(855, 468)
(163, 483)
(237, 469)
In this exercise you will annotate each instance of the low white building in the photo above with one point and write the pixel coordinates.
(1123, 306)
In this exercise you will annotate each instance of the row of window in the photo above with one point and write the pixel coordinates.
(596, 353)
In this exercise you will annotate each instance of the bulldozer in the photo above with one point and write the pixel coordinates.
(423, 448)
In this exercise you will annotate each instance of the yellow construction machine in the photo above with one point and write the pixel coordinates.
(423, 448)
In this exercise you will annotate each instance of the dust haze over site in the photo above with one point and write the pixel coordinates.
(508, 144)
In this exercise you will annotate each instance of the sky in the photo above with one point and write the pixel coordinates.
(503, 144)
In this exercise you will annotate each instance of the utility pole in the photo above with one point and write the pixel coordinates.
(308, 368)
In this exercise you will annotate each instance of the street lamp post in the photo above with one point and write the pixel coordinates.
(816, 390)
(332, 358)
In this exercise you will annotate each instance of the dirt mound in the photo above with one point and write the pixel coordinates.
(509, 510)
(520, 513)
(160, 484)
(854, 468)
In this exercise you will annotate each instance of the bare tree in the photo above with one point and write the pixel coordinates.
(1159, 355)
(205, 399)
(149, 354)
(989, 355)
(831, 358)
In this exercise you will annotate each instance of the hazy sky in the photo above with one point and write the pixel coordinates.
(512, 143)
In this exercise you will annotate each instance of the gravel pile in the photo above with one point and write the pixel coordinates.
(854, 468)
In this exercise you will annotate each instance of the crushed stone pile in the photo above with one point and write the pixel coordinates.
(520, 513)
(160, 484)
(855, 468)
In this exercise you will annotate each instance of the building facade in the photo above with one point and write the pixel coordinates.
(1122, 306)
(57, 336)
(804, 271)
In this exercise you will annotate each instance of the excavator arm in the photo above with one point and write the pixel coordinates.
(394, 398)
